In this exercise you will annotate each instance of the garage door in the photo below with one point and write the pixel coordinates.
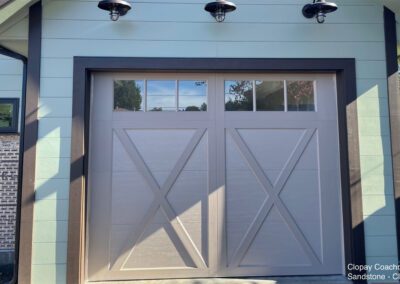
(207, 175)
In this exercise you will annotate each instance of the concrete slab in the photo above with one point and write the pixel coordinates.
(253, 280)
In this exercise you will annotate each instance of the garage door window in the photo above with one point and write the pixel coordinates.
(258, 95)
(128, 95)
(300, 95)
(270, 96)
(160, 95)
(239, 95)
(192, 95)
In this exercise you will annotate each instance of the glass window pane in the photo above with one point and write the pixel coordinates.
(161, 95)
(300, 95)
(270, 96)
(128, 95)
(239, 95)
(6, 115)
(192, 95)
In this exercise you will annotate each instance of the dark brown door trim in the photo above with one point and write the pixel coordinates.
(394, 108)
(348, 135)
(27, 196)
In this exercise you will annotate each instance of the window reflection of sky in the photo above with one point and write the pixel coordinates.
(161, 94)
(161, 88)
(192, 93)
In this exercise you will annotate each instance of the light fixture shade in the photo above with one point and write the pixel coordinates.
(218, 9)
(115, 6)
(319, 6)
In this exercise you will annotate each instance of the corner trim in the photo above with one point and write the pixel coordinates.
(30, 130)
(394, 109)
(348, 135)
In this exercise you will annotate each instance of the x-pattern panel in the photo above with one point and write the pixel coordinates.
(160, 201)
(273, 198)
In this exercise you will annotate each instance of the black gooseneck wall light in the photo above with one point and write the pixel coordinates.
(116, 8)
(318, 9)
(219, 8)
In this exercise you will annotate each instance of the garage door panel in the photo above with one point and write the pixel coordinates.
(198, 160)
(99, 215)
(244, 196)
(188, 198)
(131, 197)
(158, 239)
(257, 224)
(121, 161)
(160, 230)
(186, 116)
(102, 133)
(271, 148)
(149, 124)
(273, 117)
(328, 147)
(301, 196)
(275, 245)
(161, 148)
(310, 160)
(273, 123)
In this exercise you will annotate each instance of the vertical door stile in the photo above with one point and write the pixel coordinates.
(221, 172)
(212, 197)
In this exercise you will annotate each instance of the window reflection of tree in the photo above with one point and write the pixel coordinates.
(243, 96)
(5, 115)
(127, 96)
(300, 96)
(203, 107)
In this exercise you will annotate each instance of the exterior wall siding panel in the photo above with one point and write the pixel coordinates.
(259, 28)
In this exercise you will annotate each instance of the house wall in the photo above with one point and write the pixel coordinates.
(180, 28)
(10, 87)
(9, 158)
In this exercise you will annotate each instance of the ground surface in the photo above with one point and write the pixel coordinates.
(272, 280)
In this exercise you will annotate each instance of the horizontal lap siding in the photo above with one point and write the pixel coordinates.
(181, 28)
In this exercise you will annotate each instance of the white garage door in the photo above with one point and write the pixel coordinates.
(207, 175)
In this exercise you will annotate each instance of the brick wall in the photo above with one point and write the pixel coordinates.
(9, 153)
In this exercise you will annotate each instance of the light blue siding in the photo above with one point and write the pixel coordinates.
(49, 253)
(55, 127)
(52, 189)
(49, 273)
(50, 232)
(51, 210)
(54, 107)
(165, 28)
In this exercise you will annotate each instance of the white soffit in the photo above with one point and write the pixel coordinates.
(10, 9)
(393, 5)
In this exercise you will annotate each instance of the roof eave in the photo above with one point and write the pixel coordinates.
(10, 9)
